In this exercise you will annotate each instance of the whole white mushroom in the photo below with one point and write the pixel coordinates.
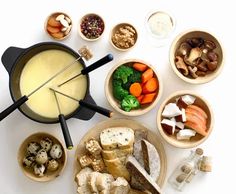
(56, 151)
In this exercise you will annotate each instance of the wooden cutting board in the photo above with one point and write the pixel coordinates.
(151, 137)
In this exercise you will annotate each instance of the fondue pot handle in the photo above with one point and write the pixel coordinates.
(85, 113)
(65, 131)
(10, 56)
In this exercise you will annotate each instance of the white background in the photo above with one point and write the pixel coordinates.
(22, 25)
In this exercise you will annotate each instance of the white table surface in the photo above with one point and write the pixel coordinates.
(22, 25)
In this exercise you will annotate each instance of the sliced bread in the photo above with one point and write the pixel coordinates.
(120, 186)
(82, 177)
(116, 153)
(104, 181)
(92, 179)
(117, 169)
(83, 190)
(117, 137)
(151, 159)
(137, 171)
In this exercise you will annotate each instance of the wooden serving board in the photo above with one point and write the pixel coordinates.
(151, 137)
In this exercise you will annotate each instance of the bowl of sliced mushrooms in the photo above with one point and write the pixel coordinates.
(42, 157)
(196, 56)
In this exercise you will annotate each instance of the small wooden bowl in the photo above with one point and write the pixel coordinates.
(82, 35)
(191, 34)
(49, 175)
(114, 30)
(55, 14)
(197, 139)
(116, 104)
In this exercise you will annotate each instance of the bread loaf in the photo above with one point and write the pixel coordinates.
(92, 178)
(117, 137)
(120, 186)
(104, 181)
(82, 177)
(116, 153)
(83, 190)
(137, 171)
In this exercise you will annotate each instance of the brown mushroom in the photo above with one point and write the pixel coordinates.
(195, 42)
(212, 65)
(192, 71)
(184, 49)
(209, 45)
(212, 56)
(195, 54)
(202, 66)
(200, 73)
(181, 66)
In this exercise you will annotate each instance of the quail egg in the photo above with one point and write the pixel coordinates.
(56, 151)
(39, 169)
(28, 161)
(33, 148)
(46, 144)
(41, 157)
(52, 165)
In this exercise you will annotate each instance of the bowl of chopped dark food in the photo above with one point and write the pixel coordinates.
(133, 87)
(123, 36)
(91, 27)
(196, 56)
(42, 157)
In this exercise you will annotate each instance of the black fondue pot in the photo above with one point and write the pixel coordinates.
(14, 60)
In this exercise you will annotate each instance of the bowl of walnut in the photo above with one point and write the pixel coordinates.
(123, 36)
(196, 56)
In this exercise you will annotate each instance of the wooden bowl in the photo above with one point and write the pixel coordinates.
(114, 30)
(55, 14)
(49, 175)
(151, 137)
(191, 34)
(116, 104)
(79, 27)
(197, 139)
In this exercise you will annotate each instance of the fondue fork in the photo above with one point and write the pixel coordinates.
(64, 127)
(90, 68)
(24, 98)
(90, 106)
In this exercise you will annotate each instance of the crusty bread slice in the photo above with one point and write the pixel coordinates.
(137, 171)
(116, 153)
(120, 186)
(117, 169)
(92, 178)
(104, 181)
(117, 137)
(83, 190)
(151, 159)
(82, 177)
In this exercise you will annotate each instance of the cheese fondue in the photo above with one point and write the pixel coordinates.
(39, 69)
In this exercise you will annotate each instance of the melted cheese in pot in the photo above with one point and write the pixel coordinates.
(39, 69)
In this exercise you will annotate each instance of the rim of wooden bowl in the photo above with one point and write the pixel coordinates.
(48, 175)
(113, 31)
(46, 23)
(198, 139)
(79, 29)
(114, 103)
(194, 33)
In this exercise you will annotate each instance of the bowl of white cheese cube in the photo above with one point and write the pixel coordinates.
(185, 119)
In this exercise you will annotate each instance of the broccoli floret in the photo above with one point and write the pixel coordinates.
(135, 77)
(118, 92)
(122, 73)
(129, 102)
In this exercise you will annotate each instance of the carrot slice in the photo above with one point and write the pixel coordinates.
(147, 75)
(135, 89)
(148, 98)
(150, 86)
(140, 98)
(140, 66)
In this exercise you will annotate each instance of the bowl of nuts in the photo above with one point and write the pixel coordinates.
(185, 119)
(58, 25)
(91, 27)
(196, 56)
(123, 36)
(42, 157)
